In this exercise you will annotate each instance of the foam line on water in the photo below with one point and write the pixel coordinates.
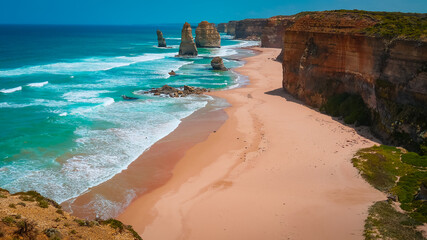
(84, 65)
(39, 84)
(11, 90)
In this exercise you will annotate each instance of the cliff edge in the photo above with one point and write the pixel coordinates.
(379, 56)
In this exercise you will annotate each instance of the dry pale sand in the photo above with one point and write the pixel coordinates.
(275, 169)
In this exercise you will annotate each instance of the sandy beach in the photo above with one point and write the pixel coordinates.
(275, 169)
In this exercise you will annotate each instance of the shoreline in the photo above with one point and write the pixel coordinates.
(153, 167)
(267, 172)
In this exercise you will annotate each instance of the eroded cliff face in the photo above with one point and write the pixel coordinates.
(187, 46)
(327, 54)
(250, 29)
(222, 27)
(272, 34)
(231, 28)
(207, 36)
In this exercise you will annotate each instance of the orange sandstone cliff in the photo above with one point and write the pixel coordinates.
(356, 52)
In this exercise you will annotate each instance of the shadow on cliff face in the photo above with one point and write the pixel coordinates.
(361, 130)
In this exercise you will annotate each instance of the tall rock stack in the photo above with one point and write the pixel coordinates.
(187, 46)
(207, 36)
(160, 39)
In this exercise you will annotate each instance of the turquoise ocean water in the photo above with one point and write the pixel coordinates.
(64, 126)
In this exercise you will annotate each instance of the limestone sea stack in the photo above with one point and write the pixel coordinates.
(218, 64)
(207, 36)
(187, 46)
(160, 39)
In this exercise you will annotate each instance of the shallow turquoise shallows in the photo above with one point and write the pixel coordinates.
(64, 126)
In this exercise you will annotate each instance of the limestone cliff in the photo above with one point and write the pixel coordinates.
(160, 39)
(328, 53)
(250, 29)
(207, 36)
(272, 34)
(222, 27)
(187, 46)
(231, 28)
(29, 215)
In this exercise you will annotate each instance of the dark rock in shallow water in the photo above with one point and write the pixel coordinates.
(172, 73)
(160, 39)
(177, 92)
(218, 64)
(187, 46)
(128, 98)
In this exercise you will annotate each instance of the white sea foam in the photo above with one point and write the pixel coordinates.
(83, 96)
(83, 65)
(11, 90)
(39, 84)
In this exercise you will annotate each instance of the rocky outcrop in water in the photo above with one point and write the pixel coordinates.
(187, 46)
(207, 36)
(218, 64)
(160, 39)
(250, 29)
(176, 92)
(329, 53)
(222, 27)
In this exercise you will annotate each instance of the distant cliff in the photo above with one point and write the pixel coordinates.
(272, 34)
(380, 56)
(250, 29)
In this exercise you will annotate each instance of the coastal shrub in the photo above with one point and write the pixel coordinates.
(116, 224)
(33, 196)
(8, 220)
(349, 106)
(59, 211)
(26, 228)
(43, 204)
(384, 222)
(391, 170)
(22, 204)
(414, 159)
(12, 205)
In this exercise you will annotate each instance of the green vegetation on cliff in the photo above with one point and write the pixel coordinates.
(388, 25)
(385, 222)
(396, 172)
(394, 24)
(401, 175)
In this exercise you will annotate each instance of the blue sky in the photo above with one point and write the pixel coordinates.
(129, 12)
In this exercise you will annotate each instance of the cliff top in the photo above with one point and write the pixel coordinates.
(28, 215)
(379, 24)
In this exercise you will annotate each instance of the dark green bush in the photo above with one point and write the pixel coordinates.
(349, 106)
